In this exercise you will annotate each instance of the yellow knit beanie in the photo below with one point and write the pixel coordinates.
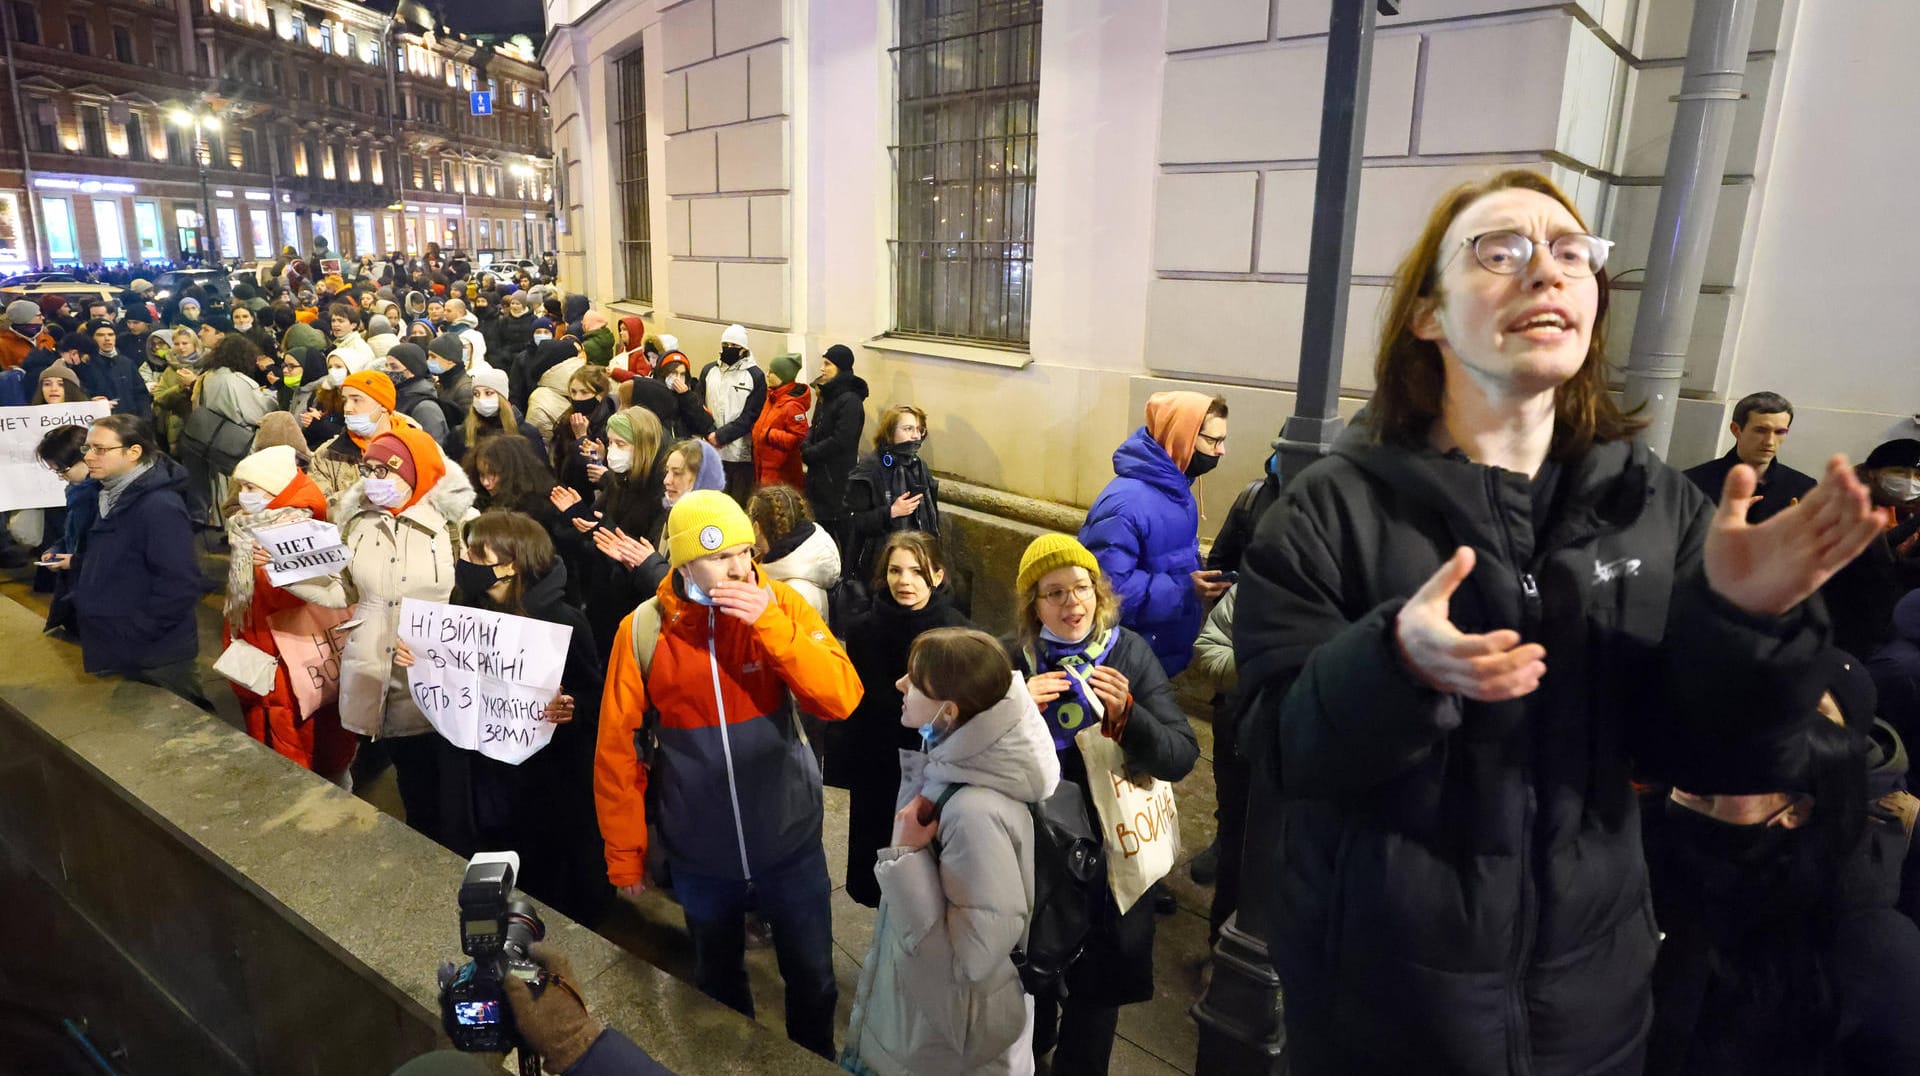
(1050, 551)
(702, 523)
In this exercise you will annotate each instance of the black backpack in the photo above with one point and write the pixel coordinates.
(1067, 861)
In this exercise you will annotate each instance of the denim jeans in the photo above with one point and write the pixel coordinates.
(792, 898)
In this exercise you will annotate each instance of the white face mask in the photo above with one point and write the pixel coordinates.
(253, 501)
(1898, 488)
(542, 337)
(486, 406)
(336, 377)
(619, 459)
(384, 492)
(364, 425)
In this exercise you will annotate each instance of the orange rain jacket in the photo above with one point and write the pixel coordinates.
(735, 787)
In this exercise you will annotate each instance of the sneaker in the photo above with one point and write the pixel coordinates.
(1206, 866)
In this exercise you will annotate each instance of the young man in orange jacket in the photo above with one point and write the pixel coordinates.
(724, 657)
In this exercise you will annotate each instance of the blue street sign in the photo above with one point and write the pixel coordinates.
(482, 102)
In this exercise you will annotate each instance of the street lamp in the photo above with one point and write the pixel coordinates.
(201, 122)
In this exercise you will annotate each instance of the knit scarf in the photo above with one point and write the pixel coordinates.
(240, 543)
(1079, 706)
(112, 488)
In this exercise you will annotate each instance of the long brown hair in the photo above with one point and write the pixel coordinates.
(1408, 373)
(512, 538)
(924, 547)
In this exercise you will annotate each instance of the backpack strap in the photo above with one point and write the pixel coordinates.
(645, 630)
(939, 806)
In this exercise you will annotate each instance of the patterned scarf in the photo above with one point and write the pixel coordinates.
(240, 566)
(1079, 706)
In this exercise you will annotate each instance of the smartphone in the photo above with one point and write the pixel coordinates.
(1227, 577)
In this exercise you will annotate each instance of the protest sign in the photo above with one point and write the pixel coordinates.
(25, 482)
(310, 644)
(484, 679)
(303, 550)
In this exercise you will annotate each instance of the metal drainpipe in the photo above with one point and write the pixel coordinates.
(1710, 91)
(393, 133)
(26, 159)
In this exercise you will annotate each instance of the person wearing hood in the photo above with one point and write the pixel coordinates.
(1144, 527)
(544, 806)
(137, 579)
(911, 598)
(486, 313)
(416, 306)
(596, 339)
(630, 353)
(939, 992)
(579, 439)
(1086, 669)
(735, 389)
(891, 489)
(447, 362)
(571, 312)
(186, 311)
(343, 320)
(421, 332)
(459, 317)
(245, 323)
(492, 413)
(1775, 878)
(272, 491)
(23, 328)
(782, 426)
(172, 390)
(414, 387)
(833, 441)
(724, 654)
(296, 333)
(548, 376)
(303, 373)
(400, 523)
(681, 409)
(380, 335)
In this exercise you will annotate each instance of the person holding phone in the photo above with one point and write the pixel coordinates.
(890, 490)
(1144, 528)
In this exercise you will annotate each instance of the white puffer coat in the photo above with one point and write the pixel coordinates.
(810, 569)
(939, 994)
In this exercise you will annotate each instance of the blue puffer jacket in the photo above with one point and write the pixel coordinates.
(1144, 530)
(137, 578)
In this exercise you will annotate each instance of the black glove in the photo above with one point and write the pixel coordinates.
(556, 1024)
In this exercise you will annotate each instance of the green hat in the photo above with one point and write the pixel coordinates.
(786, 368)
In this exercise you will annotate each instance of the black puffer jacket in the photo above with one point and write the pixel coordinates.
(833, 444)
(1462, 888)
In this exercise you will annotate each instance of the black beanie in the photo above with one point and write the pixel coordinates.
(449, 347)
(411, 357)
(841, 356)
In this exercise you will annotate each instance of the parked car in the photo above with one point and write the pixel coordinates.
(76, 294)
(215, 282)
(41, 277)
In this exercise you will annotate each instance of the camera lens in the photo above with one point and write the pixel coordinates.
(523, 928)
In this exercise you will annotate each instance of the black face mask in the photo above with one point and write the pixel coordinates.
(1200, 464)
(474, 580)
(1757, 847)
(585, 407)
(398, 379)
(731, 354)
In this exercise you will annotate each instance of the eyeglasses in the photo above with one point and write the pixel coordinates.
(374, 470)
(100, 450)
(1507, 253)
(1059, 596)
(1218, 444)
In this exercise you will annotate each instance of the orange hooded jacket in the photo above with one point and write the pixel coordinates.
(735, 787)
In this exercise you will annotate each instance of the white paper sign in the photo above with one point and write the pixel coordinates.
(304, 550)
(25, 482)
(484, 679)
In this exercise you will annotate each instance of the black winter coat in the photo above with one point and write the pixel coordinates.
(876, 482)
(863, 752)
(833, 444)
(1117, 966)
(137, 578)
(1462, 888)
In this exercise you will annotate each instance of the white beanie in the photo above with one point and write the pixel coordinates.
(669, 343)
(272, 468)
(491, 377)
(735, 334)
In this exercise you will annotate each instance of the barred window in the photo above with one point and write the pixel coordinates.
(636, 238)
(969, 90)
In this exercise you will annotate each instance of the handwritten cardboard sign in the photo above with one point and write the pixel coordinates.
(312, 649)
(484, 679)
(25, 482)
(303, 550)
(1139, 822)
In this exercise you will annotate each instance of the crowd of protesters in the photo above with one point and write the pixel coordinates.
(1528, 700)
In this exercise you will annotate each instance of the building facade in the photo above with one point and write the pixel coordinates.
(1028, 216)
(145, 131)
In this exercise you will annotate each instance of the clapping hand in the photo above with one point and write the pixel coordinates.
(616, 544)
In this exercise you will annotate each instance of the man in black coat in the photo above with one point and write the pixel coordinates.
(833, 442)
(1760, 423)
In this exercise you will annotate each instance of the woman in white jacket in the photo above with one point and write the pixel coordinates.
(939, 993)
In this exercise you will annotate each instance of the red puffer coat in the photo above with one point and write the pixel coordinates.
(778, 434)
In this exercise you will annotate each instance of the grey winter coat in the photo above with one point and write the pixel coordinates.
(939, 993)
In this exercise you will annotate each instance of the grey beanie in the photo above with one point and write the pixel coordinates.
(22, 311)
